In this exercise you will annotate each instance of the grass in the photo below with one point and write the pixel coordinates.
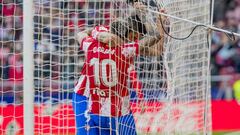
(227, 133)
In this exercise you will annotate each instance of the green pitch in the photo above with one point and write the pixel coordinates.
(226, 133)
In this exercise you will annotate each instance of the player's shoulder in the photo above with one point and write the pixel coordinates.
(87, 41)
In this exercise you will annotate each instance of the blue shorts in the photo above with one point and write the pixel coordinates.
(93, 124)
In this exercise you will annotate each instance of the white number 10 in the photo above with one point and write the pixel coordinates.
(100, 70)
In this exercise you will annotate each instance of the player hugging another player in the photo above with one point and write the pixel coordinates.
(101, 99)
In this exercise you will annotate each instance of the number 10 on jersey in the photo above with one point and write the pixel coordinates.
(101, 75)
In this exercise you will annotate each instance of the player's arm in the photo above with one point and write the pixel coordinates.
(109, 39)
(83, 34)
(153, 45)
(103, 37)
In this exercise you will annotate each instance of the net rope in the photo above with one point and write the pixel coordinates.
(175, 96)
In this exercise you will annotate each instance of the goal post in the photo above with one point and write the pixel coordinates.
(174, 86)
(28, 66)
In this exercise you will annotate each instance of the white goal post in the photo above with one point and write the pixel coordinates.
(28, 81)
(175, 85)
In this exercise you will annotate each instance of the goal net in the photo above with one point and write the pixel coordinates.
(168, 91)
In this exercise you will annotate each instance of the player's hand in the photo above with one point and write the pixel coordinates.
(163, 17)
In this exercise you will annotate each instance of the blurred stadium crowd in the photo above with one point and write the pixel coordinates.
(225, 54)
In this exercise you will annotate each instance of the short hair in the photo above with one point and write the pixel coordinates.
(123, 27)
(120, 28)
(136, 24)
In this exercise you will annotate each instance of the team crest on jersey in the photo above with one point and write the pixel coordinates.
(129, 51)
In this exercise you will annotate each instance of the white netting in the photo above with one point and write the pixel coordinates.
(175, 84)
(11, 67)
(187, 64)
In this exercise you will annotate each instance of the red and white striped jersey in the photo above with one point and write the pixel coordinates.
(104, 76)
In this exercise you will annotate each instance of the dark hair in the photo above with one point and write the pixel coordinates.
(120, 28)
(136, 24)
(151, 3)
(131, 1)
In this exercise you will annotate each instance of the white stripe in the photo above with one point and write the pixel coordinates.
(89, 108)
(87, 89)
(125, 105)
(86, 46)
(105, 109)
(95, 33)
(106, 106)
(80, 80)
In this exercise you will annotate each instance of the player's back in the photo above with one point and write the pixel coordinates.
(105, 74)
(107, 67)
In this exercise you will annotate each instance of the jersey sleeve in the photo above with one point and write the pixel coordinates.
(99, 29)
(86, 42)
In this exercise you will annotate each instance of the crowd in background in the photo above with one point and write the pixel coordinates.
(11, 60)
(55, 49)
(52, 40)
(225, 53)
